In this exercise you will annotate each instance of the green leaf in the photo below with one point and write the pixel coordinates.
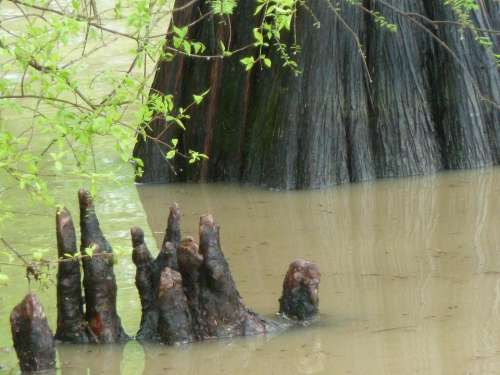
(181, 32)
(170, 154)
(223, 7)
(197, 99)
(259, 39)
(248, 62)
(37, 256)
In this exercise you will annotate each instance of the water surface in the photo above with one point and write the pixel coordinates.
(410, 276)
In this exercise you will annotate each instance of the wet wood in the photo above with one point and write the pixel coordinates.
(299, 299)
(197, 301)
(71, 324)
(223, 311)
(144, 281)
(175, 319)
(173, 232)
(33, 339)
(190, 261)
(167, 256)
(99, 279)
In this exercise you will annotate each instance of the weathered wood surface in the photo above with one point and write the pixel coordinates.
(417, 109)
(174, 325)
(99, 279)
(33, 339)
(300, 296)
(198, 299)
(187, 293)
(71, 324)
(145, 283)
(149, 270)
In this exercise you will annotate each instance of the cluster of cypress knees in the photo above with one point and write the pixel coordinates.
(187, 293)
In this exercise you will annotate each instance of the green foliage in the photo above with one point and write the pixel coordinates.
(223, 7)
(382, 22)
(277, 17)
(463, 10)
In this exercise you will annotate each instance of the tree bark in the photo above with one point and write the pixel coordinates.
(99, 279)
(32, 336)
(300, 297)
(71, 324)
(199, 300)
(416, 107)
(175, 319)
(168, 251)
(145, 283)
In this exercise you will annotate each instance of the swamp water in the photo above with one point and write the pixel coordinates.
(410, 275)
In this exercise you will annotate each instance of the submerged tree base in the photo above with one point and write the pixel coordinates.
(369, 102)
(187, 293)
(99, 323)
(32, 336)
(193, 297)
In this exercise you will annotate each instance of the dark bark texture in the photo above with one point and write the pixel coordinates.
(152, 284)
(215, 300)
(32, 336)
(71, 324)
(198, 299)
(145, 283)
(99, 279)
(174, 324)
(300, 297)
(416, 107)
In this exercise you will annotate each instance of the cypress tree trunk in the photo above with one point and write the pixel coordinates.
(469, 124)
(419, 102)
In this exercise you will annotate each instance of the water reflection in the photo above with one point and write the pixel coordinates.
(411, 267)
(410, 277)
(90, 359)
(252, 355)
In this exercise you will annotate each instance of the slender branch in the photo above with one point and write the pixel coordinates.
(14, 251)
(33, 96)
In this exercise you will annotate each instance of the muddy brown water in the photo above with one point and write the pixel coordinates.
(411, 276)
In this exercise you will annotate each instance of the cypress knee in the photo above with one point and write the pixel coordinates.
(173, 232)
(224, 313)
(33, 340)
(190, 261)
(167, 257)
(175, 319)
(144, 281)
(300, 291)
(71, 325)
(99, 279)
